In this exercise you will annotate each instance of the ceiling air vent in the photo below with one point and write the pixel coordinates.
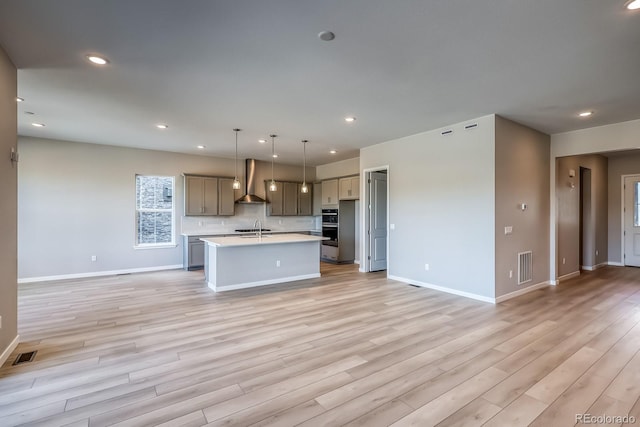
(471, 126)
(446, 132)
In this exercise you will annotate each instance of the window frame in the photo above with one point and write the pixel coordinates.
(137, 211)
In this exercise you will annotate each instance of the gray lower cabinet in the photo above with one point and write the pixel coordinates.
(192, 253)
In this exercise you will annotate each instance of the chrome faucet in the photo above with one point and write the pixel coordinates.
(257, 224)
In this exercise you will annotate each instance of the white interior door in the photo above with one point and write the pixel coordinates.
(632, 220)
(378, 221)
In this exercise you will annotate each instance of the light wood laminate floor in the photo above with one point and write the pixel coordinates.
(346, 349)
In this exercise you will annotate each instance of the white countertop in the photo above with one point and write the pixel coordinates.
(253, 240)
(237, 233)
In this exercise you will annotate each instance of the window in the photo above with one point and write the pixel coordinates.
(154, 211)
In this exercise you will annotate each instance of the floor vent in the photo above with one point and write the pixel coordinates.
(525, 267)
(25, 357)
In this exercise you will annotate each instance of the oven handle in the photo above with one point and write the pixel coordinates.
(329, 225)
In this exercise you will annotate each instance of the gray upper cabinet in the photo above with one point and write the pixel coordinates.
(208, 196)
(317, 199)
(330, 192)
(350, 188)
(200, 195)
(275, 199)
(226, 197)
(288, 200)
(305, 200)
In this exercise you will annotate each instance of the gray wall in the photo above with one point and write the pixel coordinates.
(627, 164)
(522, 176)
(77, 200)
(568, 212)
(442, 202)
(8, 207)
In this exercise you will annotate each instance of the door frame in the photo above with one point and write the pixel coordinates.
(622, 225)
(365, 242)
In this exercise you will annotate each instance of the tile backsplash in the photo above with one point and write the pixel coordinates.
(244, 218)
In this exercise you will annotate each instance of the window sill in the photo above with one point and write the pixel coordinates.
(163, 246)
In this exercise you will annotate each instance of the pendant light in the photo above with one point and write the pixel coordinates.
(236, 181)
(273, 186)
(304, 188)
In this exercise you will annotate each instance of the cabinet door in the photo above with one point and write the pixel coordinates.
(210, 197)
(290, 198)
(330, 192)
(317, 199)
(304, 200)
(350, 188)
(196, 254)
(193, 193)
(355, 187)
(275, 198)
(227, 197)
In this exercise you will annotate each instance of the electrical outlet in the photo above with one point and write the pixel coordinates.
(426, 267)
(94, 258)
(596, 252)
(508, 229)
(564, 260)
(280, 222)
(200, 223)
(510, 274)
(392, 226)
(278, 263)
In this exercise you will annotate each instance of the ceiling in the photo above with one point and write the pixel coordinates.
(400, 67)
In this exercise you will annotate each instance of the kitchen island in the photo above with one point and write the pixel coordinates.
(237, 262)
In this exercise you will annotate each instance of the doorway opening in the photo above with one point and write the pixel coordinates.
(376, 221)
(586, 234)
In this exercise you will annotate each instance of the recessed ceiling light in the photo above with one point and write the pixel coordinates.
(18, 99)
(332, 152)
(162, 126)
(38, 125)
(262, 140)
(326, 36)
(585, 113)
(98, 60)
(349, 119)
(275, 156)
(633, 5)
(201, 147)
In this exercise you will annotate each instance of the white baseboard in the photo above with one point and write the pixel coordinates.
(356, 261)
(7, 351)
(615, 263)
(523, 291)
(594, 267)
(567, 277)
(443, 289)
(98, 274)
(262, 282)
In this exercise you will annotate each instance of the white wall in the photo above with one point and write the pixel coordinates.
(442, 202)
(77, 200)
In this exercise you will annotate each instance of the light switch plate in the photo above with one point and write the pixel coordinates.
(392, 226)
(508, 229)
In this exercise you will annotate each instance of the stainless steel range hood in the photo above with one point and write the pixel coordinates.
(250, 176)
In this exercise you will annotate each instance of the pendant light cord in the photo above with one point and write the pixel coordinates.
(235, 164)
